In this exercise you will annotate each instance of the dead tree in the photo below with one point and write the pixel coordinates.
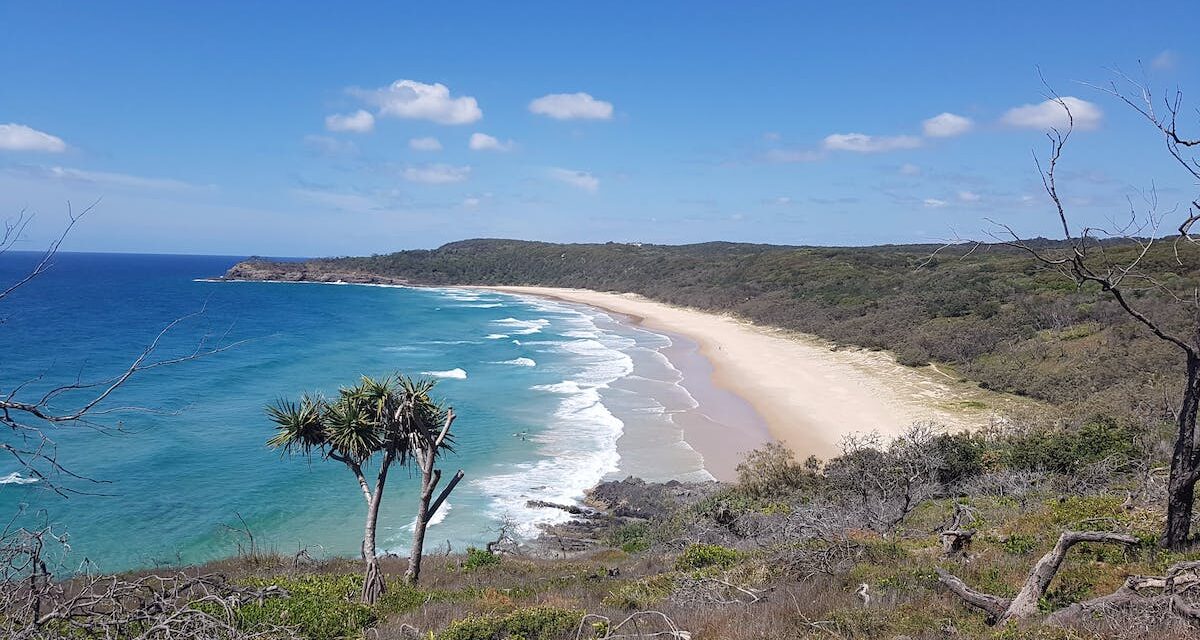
(1174, 592)
(954, 536)
(160, 607)
(881, 483)
(27, 417)
(1086, 258)
(1025, 603)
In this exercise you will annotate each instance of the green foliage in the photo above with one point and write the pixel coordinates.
(962, 455)
(533, 623)
(321, 606)
(630, 538)
(479, 559)
(363, 420)
(1063, 450)
(773, 471)
(699, 556)
(1019, 544)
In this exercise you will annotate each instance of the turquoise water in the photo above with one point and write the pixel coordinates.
(548, 396)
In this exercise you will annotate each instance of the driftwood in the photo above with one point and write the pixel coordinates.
(1025, 603)
(1181, 580)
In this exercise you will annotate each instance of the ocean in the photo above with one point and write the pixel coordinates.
(551, 399)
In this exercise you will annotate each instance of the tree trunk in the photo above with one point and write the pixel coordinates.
(373, 582)
(1025, 603)
(428, 482)
(1181, 488)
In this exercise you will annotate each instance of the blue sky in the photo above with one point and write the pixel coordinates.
(306, 129)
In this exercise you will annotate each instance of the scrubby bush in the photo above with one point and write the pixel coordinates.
(630, 538)
(774, 471)
(321, 607)
(479, 558)
(699, 556)
(1064, 449)
(533, 623)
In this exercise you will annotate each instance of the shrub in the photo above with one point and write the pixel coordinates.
(322, 607)
(534, 623)
(631, 538)
(1018, 544)
(699, 556)
(1064, 450)
(479, 558)
(773, 470)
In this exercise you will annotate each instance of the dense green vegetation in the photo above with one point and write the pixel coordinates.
(996, 315)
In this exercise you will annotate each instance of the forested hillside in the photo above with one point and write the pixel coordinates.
(994, 314)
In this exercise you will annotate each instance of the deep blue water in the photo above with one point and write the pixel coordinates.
(530, 381)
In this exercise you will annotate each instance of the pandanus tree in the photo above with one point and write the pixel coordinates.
(392, 421)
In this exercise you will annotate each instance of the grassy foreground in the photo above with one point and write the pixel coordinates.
(784, 554)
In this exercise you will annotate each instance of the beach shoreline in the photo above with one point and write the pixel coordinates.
(809, 394)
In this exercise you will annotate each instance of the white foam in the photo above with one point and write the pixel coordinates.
(520, 362)
(578, 446)
(522, 327)
(455, 374)
(435, 520)
(463, 295)
(566, 386)
(578, 449)
(16, 478)
(491, 305)
(496, 336)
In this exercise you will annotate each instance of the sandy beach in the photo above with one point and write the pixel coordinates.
(809, 394)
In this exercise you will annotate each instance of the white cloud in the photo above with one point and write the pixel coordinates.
(934, 203)
(782, 200)
(419, 101)
(863, 143)
(772, 136)
(471, 202)
(578, 179)
(484, 142)
(968, 196)
(18, 137)
(1050, 114)
(428, 143)
(910, 169)
(572, 106)
(436, 173)
(104, 178)
(1165, 61)
(330, 146)
(946, 125)
(359, 122)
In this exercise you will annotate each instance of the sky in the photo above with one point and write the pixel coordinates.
(306, 129)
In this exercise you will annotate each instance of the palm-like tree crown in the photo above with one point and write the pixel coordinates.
(396, 414)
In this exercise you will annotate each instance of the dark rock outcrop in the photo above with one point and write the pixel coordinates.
(311, 271)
